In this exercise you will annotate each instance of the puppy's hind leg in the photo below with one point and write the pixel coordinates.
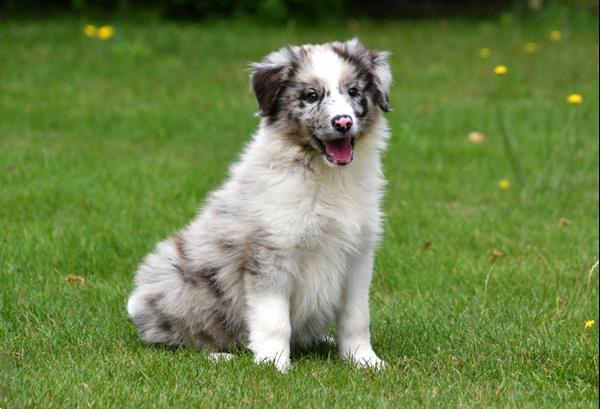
(157, 280)
(153, 327)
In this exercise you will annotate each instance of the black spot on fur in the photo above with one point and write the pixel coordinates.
(364, 107)
(154, 299)
(165, 326)
(210, 275)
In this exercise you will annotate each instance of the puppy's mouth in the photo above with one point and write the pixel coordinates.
(337, 151)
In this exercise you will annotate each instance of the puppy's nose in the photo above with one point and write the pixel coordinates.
(342, 123)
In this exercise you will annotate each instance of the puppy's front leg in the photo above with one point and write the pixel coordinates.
(353, 335)
(268, 320)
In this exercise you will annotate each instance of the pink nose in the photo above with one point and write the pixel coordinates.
(342, 123)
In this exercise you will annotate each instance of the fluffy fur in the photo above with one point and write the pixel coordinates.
(285, 247)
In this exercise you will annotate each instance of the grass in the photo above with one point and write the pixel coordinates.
(107, 147)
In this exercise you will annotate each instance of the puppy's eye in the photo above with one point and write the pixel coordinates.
(310, 97)
(353, 92)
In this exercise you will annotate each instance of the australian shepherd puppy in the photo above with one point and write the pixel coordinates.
(285, 246)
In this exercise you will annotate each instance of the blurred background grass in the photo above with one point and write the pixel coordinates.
(107, 146)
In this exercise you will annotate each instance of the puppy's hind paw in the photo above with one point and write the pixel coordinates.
(329, 340)
(220, 357)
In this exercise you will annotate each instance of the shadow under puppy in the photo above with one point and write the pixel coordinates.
(285, 246)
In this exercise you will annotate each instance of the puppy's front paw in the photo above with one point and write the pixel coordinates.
(366, 359)
(281, 360)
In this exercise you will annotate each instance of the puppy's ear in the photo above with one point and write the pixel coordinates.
(375, 63)
(382, 77)
(269, 78)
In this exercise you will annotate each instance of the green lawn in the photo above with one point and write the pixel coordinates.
(107, 147)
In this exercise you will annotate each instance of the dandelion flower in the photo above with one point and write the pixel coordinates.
(501, 70)
(90, 30)
(555, 35)
(504, 184)
(105, 32)
(530, 48)
(589, 324)
(574, 99)
(485, 53)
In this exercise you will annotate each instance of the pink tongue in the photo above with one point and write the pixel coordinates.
(340, 150)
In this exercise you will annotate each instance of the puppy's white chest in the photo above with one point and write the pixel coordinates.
(323, 255)
(322, 226)
(316, 291)
(332, 222)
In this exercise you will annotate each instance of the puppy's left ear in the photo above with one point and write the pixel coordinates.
(382, 77)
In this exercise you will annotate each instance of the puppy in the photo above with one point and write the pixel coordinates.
(285, 246)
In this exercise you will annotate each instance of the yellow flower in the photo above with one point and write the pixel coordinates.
(105, 32)
(574, 99)
(485, 53)
(555, 35)
(90, 30)
(530, 48)
(504, 184)
(589, 324)
(501, 70)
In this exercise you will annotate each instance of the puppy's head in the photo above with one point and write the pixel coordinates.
(323, 98)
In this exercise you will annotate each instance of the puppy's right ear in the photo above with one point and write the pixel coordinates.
(382, 75)
(269, 78)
